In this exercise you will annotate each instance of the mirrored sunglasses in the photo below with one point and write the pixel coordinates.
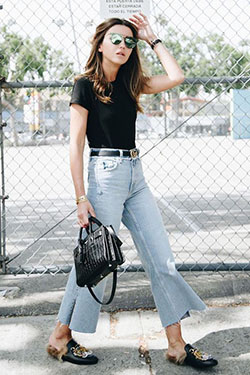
(129, 41)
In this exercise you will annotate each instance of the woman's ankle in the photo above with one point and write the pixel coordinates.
(61, 333)
(59, 342)
(62, 337)
(174, 335)
(176, 343)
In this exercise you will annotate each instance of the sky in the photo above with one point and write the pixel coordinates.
(69, 24)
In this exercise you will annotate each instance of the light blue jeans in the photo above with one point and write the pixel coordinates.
(118, 192)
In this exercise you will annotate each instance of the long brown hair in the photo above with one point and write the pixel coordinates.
(132, 74)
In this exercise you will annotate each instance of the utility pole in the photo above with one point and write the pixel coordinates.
(74, 34)
(3, 257)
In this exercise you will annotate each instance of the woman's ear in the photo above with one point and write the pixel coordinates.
(100, 48)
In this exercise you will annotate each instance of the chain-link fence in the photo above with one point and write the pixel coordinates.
(194, 140)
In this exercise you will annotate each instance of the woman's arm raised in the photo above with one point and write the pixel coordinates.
(78, 127)
(174, 75)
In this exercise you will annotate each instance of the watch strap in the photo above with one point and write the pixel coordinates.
(154, 42)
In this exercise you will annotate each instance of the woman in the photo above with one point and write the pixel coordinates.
(104, 103)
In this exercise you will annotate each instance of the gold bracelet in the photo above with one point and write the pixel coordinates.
(82, 198)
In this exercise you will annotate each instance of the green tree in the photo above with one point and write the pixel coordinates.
(207, 56)
(24, 59)
(27, 59)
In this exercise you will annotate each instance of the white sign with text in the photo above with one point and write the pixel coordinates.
(123, 8)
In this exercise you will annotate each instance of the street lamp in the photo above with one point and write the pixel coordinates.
(59, 22)
(11, 22)
(89, 24)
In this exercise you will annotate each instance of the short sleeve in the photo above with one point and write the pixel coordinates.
(81, 93)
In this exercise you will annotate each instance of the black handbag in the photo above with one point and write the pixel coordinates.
(96, 256)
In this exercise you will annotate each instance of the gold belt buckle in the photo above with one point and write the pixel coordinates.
(133, 153)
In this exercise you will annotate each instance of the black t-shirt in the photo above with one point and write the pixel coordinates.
(110, 125)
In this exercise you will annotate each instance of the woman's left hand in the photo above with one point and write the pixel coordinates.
(144, 29)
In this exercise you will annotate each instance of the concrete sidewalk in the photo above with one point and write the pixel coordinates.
(223, 330)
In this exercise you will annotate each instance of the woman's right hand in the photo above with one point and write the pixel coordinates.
(83, 208)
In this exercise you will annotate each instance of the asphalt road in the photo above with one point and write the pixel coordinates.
(201, 186)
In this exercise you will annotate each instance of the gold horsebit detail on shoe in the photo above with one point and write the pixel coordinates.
(80, 351)
(200, 355)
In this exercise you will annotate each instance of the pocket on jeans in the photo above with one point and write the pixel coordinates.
(106, 172)
(107, 164)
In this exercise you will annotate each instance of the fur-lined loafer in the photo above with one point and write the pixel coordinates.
(198, 359)
(74, 353)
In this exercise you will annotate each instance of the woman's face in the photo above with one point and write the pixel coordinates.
(118, 54)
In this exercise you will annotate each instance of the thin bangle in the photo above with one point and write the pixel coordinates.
(82, 198)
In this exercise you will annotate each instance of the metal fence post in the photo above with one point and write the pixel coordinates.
(3, 257)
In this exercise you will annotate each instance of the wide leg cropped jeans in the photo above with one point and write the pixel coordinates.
(119, 193)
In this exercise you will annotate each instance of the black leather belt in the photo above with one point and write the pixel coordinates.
(133, 153)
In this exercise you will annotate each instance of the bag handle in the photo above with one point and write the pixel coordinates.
(91, 219)
(109, 228)
(95, 220)
(112, 232)
(112, 292)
